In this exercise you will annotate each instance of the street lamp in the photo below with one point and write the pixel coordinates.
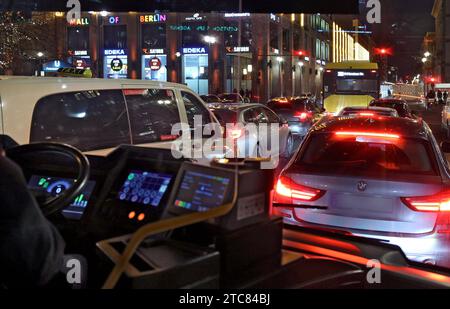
(40, 54)
(427, 54)
(209, 39)
(104, 13)
(279, 59)
(424, 60)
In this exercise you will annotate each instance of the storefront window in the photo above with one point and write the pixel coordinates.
(115, 60)
(195, 73)
(154, 67)
(239, 63)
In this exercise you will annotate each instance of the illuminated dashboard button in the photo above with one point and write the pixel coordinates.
(131, 215)
(141, 217)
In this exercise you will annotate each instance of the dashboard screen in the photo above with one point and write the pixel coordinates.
(144, 188)
(56, 186)
(201, 192)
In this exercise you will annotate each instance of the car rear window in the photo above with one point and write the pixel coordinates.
(88, 120)
(368, 155)
(225, 116)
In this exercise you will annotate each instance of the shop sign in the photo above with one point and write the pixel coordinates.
(237, 49)
(153, 51)
(155, 64)
(194, 50)
(53, 66)
(79, 22)
(114, 52)
(153, 18)
(194, 17)
(116, 65)
(231, 15)
(80, 53)
(114, 20)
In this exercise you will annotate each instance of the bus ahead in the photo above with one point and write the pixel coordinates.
(350, 83)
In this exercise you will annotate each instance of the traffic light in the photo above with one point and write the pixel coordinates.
(383, 51)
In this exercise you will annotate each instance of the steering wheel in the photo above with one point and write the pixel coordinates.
(52, 204)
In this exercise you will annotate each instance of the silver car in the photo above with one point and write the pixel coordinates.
(383, 178)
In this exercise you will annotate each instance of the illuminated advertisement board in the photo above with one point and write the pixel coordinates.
(115, 64)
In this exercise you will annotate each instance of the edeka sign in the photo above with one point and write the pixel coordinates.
(114, 52)
(194, 50)
(153, 18)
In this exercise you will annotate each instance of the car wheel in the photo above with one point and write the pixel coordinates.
(289, 149)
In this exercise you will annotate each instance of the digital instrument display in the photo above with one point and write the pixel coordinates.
(55, 186)
(145, 188)
(200, 192)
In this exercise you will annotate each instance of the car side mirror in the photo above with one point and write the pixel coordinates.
(445, 146)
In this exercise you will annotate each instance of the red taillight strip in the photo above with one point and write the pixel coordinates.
(370, 134)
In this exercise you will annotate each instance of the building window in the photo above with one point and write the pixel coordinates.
(78, 38)
(286, 40)
(273, 36)
(297, 41)
(115, 37)
(194, 35)
(153, 36)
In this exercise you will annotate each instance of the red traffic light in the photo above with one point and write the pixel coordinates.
(383, 51)
(301, 53)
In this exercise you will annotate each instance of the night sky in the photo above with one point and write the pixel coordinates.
(403, 26)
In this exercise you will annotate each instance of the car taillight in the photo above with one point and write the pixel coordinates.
(366, 114)
(287, 191)
(367, 134)
(302, 116)
(434, 203)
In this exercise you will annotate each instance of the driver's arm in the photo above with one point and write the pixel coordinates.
(31, 249)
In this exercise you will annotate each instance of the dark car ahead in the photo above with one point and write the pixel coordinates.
(211, 98)
(400, 106)
(300, 113)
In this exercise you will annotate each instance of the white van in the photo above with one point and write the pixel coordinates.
(96, 115)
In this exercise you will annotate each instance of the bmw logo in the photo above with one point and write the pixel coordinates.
(362, 186)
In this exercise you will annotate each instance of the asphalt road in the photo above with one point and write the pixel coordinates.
(433, 118)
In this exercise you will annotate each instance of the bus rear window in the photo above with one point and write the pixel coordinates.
(356, 85)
